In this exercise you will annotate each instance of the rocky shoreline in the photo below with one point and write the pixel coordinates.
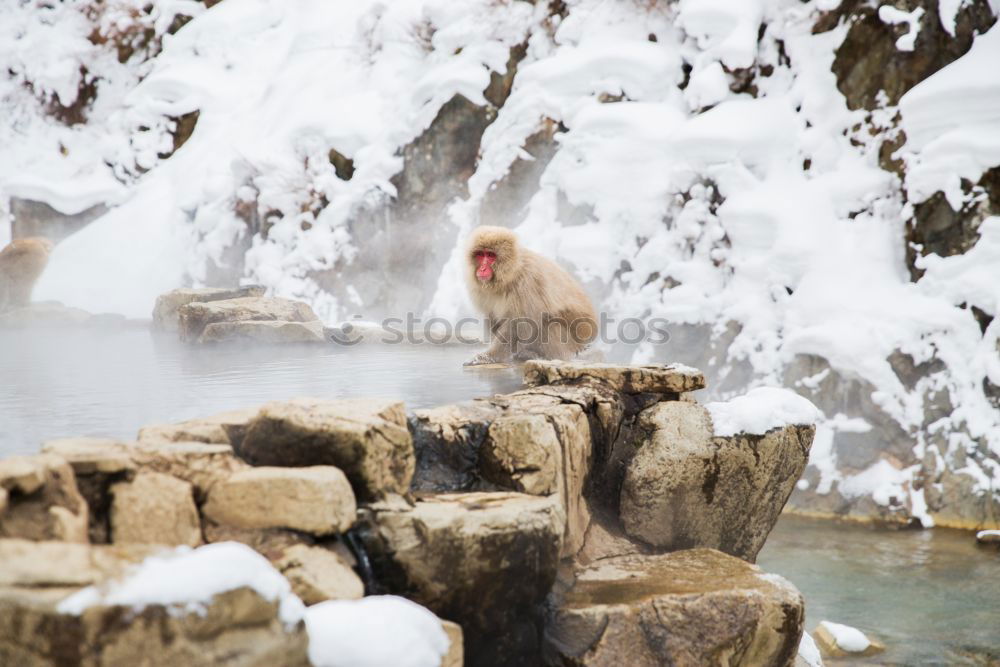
(599, 514)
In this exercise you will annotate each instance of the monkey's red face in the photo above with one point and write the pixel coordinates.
(484, 264)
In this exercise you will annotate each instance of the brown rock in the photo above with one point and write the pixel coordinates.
(695, 607)
(154, 508)
(91, 456)
(62, 564)
(447, 552)
(316, 500)
(226, 428)
(196, 316)
(200, 464)
(868, 63)
(43, 502)
(237, 627)
(165, 316)
(317, 574)
(544, 454)
(685, 488)
(659, 378)
(367, 439)
(275, 331)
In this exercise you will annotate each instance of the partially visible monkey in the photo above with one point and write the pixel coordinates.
(21, 263)
(534, 307)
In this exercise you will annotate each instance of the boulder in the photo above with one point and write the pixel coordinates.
(42, 500)
(544, 454)
(317, 574)
(275, 331)
(51, 564)
(694, 607)
(194, 317)
(241, 613)
(165, 316)
(226, 428)
(154, 508)
(684, 488)
(367, 439)
(484, 560)
(100, 463)
(316, 500)
(655, 378)
(200, 464)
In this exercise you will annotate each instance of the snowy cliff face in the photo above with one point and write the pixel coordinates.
(808, 191)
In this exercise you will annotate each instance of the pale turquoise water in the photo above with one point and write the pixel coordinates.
(931, 596)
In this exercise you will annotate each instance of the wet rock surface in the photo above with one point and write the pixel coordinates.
(484, 560)
(695, 607)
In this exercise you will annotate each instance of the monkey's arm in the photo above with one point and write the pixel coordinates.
(500, 349)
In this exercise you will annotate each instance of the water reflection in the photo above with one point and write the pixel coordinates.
(57, 383)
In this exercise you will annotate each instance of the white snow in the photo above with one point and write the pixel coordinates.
(892, 16)
(809, 652)
(373, 632)
(185, 580)
(849, 639)
(761, 410)
(952, 123)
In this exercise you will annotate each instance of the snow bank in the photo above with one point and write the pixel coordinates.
(952, 123)
(185, 580)
(850, 639)
(374, 631)
(761, 410)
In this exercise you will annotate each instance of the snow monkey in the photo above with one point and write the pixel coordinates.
(21, 263)
(535, 309)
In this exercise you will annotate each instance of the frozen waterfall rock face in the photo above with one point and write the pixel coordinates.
(484, 560)
(694, 607)
(366, 438)
(685, 487)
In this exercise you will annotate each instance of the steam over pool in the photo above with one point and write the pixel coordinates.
(110, 383)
